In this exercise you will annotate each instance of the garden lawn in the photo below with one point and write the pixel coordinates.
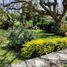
(43, 34)
(8, 56)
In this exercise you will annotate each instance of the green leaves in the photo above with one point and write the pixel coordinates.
(19, 36)
(43, 46)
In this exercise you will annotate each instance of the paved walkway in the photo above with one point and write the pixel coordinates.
(55, 59)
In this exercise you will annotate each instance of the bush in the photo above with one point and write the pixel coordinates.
(63, 28)
(42, 46)
(19, 36)
(48, 26)
(17, 24)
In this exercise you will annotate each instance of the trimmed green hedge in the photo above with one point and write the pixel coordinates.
(42, 46)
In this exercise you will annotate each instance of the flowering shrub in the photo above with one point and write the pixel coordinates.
(43, 46)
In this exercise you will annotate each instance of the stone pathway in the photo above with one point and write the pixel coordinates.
(55, 59)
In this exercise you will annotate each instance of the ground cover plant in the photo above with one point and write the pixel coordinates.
(43, 46)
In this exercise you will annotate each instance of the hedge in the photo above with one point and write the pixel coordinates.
(42, 46)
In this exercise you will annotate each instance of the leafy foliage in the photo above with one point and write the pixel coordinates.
(19, 36)
(42, 46)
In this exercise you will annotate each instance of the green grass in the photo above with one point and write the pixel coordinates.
(65, 65)
(6, 56)
(10, 57)
(3, 32)
(42, 34)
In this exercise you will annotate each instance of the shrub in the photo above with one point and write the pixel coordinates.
(42, 46)
(63, 28)
(48, 26)
(19, 36)
(17, 24)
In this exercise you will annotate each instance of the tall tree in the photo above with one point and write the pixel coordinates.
(43, 3)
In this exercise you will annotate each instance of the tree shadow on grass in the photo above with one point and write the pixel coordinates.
(3, 60)
(4, 57)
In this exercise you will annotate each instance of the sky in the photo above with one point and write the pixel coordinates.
(6, 1)
(0, 0)
(33, 0)
(59, 3)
